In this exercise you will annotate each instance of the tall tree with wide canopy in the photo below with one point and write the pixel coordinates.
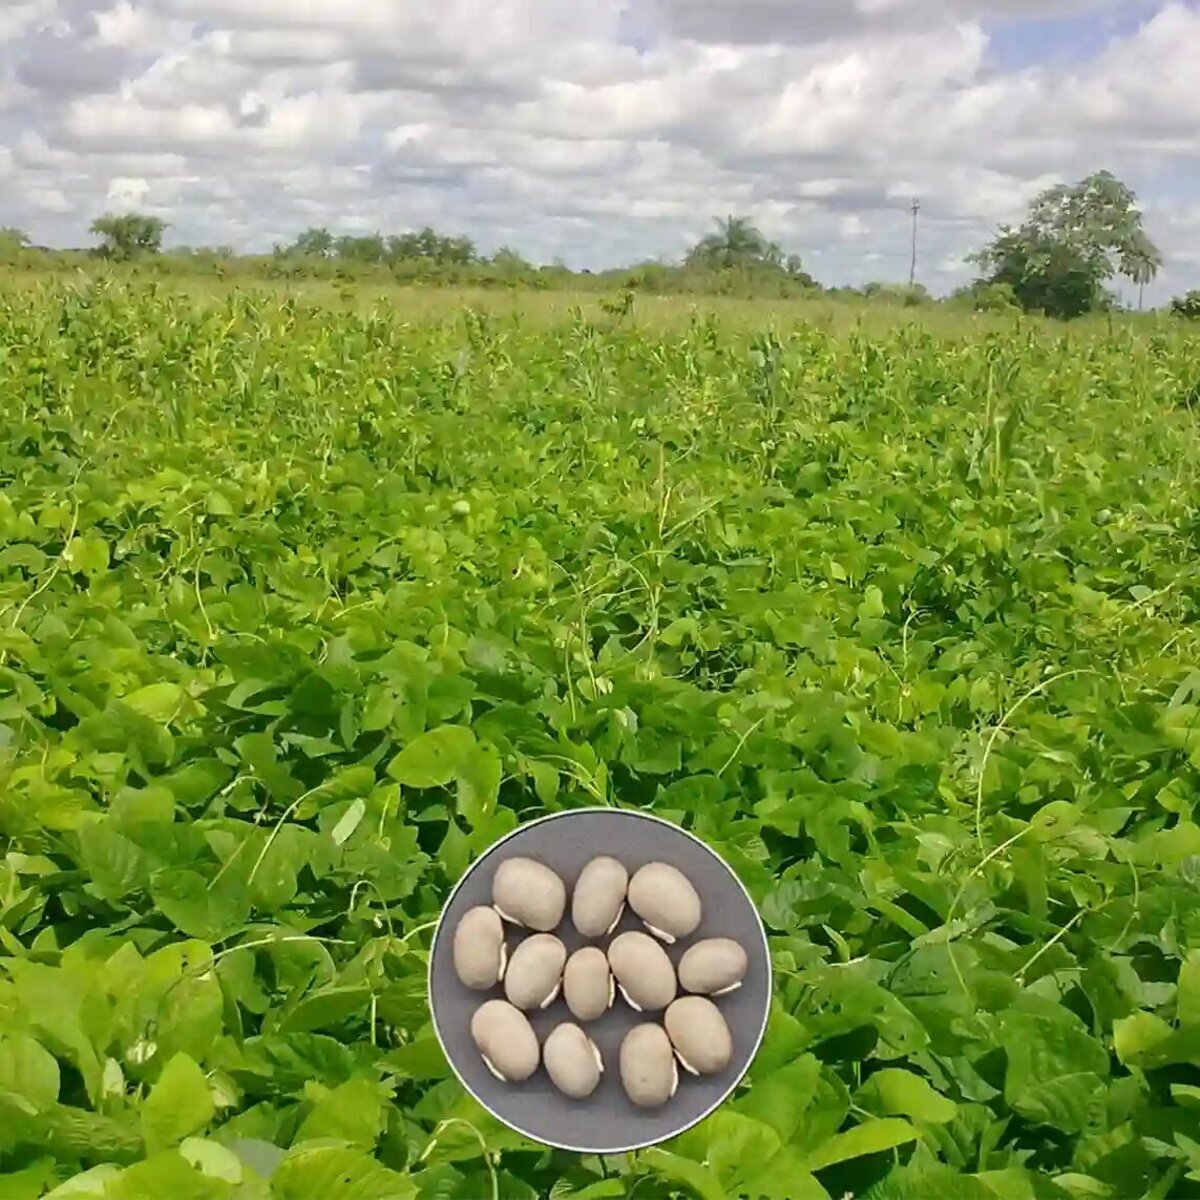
(1074, 240)
(315, 242)
(129, 235)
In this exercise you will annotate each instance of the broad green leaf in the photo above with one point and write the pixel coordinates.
(29, 1074)
(1147, 1041)
(603, 1189)
(349, 784)
(158, 701)
(781, 1177)
(869, 1138)
(116, 864)
(352, 1112)
(479, 774)
(88, 555)
(277, 865)
(422, 1058)
(933, 1181)
(434, 758)
(1139, 1037)
(702, 1181)
(337, 1173)
(545, 781)
(893, 1092)
(62, 1003)
(825, 1114)
(167, 1174)
(1054, 820)
(31, 1181)
(212, 1159)
(1014, 1183)
(1084, 1187)
(454, 854)
(87, 1184)
(179, 1104)
(133, 809)
(736, 1142)
(781, 1098)
(1055, 1068)
(194, 782)
(208, 909)
(326, 1008)
(174, 996)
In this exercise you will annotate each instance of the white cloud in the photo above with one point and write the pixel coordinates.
(601, 132)
(128, 192)
(17, 19)
(775, 21)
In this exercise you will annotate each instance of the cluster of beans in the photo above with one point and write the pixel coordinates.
(528, 894)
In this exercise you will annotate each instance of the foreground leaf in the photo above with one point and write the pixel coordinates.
(179, 1104)
(337, 1173)
(868, 1138)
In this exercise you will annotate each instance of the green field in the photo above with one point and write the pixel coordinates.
(303, 604)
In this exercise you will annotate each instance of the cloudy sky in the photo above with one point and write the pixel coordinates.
(600, 131)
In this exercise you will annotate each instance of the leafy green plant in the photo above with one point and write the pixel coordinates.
(1187, 305)
(300, 611)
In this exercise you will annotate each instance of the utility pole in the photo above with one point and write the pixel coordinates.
(912, 270)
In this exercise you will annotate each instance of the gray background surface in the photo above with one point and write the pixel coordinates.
(606, 1122)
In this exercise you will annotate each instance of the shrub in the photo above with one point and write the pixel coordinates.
(1187, 305)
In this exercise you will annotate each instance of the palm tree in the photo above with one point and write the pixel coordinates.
(1140, 263)
(735, 243)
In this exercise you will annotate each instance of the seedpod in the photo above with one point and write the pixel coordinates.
(572, 1061)
(534, 973)
(506, 1041)
(479, 948)
(713, 967)
(588, 984)
(643, 971)
(599, 897)
(699, 1035)
(648, 1071)
(526, 892)
(665, 900)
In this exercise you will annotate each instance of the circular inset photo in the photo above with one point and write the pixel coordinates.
(600, 980)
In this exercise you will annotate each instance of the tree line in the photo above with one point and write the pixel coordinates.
(1061, 261)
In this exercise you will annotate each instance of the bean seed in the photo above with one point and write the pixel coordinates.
(479, 948)
(526, 892)
(506, 1041)
(665, 900)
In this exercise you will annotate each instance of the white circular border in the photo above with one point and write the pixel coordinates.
(558, 816)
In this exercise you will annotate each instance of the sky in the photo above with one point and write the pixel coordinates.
(605, 132)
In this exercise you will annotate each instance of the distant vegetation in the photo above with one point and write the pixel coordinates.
(736, 260)
(1074, 240)
(129, 236)
(1188, 305)
(1059, 262)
